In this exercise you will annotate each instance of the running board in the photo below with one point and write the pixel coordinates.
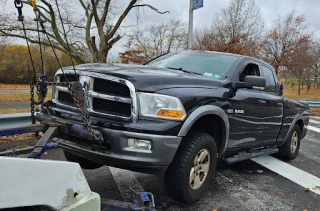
(249, 155)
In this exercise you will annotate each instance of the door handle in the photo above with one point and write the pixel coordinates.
(262, 102)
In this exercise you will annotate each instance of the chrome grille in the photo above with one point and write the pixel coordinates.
(65, 97)
(105, 95)
(111, 107)
(69, 77)
(111, 88)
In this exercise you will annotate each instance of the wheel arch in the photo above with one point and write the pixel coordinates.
(298, 120)
(209, 116)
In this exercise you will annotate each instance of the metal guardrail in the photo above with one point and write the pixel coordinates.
(14, 120)
(314, 104)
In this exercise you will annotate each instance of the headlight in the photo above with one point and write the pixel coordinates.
(161, 106)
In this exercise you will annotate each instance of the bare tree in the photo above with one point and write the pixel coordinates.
(236, 29)
(315, 68)
(155, 40)
(299, 61)
(205, 38)
(287, 34)
(95, 31)
(3, 44)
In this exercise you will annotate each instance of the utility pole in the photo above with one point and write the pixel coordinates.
(190, 34)
(194, 4)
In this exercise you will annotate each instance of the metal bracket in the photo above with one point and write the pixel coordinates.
(43, 143)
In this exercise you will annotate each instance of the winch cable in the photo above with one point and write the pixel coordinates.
(29, 50)
(36, 11)
(35, 80)
(19, 5)
(84, 112)
(40, 45)
(85, 115)
(65, 37)
(54, 51)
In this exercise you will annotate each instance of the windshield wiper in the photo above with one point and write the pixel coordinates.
(183, 70)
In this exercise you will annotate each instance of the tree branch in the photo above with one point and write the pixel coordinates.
(95, 12)
(120, 20)
(105, 12)
(151, 7)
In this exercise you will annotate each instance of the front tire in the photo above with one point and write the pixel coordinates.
(84, 163)
(289, 150)
(190, 173)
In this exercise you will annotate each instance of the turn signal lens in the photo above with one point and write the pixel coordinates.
(171, 113)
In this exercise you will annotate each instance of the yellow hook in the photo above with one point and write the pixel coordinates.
(34, 4)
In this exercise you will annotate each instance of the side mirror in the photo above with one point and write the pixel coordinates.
(251, 82)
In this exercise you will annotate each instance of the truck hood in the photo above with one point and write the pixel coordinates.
(151, 79)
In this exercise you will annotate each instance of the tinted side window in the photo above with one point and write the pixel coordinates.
(250, 69)
(270, 82)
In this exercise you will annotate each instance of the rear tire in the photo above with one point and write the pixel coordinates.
(289, 150)
(191, 171)
(84, 163)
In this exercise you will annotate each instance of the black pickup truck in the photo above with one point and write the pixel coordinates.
(178, 115)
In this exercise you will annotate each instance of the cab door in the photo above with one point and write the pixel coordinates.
(273, 109)
(247, 117)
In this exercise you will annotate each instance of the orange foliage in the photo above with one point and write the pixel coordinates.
(285, 39)
(16, 66)
(14, 86)
(236, 29)
(133, 56)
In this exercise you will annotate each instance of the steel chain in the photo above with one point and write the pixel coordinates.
(84, 112)
(33, 120)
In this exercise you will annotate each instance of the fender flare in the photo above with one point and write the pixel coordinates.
(203, 111)
(294, 122)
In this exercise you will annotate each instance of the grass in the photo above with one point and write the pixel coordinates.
(20, 97)
(292, 92)
(25, 137)
(14, 110)
(315, 111)
(14, 86)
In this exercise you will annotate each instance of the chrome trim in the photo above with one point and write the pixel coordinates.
(75, 114)
(64, 105)
(64, 111)
(86, 78)
(62, 88)
(108, 97)
(107, 115)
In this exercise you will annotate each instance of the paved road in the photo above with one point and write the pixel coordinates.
(15, 104)
(243, 186)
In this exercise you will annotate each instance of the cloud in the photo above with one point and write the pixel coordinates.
(179, 9)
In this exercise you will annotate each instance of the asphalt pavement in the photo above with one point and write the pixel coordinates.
(5, 91)
(15, 104)
(242, 186)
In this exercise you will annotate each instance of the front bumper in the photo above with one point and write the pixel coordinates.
(161, 133)
(163, 149)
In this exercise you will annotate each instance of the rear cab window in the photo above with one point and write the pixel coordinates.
(271, 84)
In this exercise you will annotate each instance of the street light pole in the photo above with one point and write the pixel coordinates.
(190, 34)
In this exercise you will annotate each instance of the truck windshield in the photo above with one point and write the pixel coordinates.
(208, 64)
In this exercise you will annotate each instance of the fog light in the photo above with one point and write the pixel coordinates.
(139, 144)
